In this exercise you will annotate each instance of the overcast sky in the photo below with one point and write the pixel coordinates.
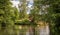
(16, 2)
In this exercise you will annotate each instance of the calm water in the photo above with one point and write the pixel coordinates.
(39, 30)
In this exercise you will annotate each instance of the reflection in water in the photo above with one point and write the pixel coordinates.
(27, 33)
(39, 30)
(44, 30)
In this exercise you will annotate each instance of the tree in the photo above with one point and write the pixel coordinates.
(16, 14)
(52, 15)
(36, 10)
(6, 17)
(23, 10)
(48, 11)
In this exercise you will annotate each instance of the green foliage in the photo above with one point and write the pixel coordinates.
(26, 22)
(23, 10)
(35, 11)
(7, 17)
(53, 15)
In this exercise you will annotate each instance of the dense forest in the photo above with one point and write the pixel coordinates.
(47, 11)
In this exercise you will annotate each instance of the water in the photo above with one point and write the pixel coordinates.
(44, 30)
(39, 30)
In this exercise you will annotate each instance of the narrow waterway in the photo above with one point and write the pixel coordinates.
(39, 30)
(44, 30)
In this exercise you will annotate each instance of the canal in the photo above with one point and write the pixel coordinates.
(40, 29)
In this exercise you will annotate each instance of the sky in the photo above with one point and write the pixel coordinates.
(16, 2)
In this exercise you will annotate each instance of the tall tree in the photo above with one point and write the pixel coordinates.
(53, 15)
(6, 17)
(23, 9)
(35, 11)
(49, 9)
